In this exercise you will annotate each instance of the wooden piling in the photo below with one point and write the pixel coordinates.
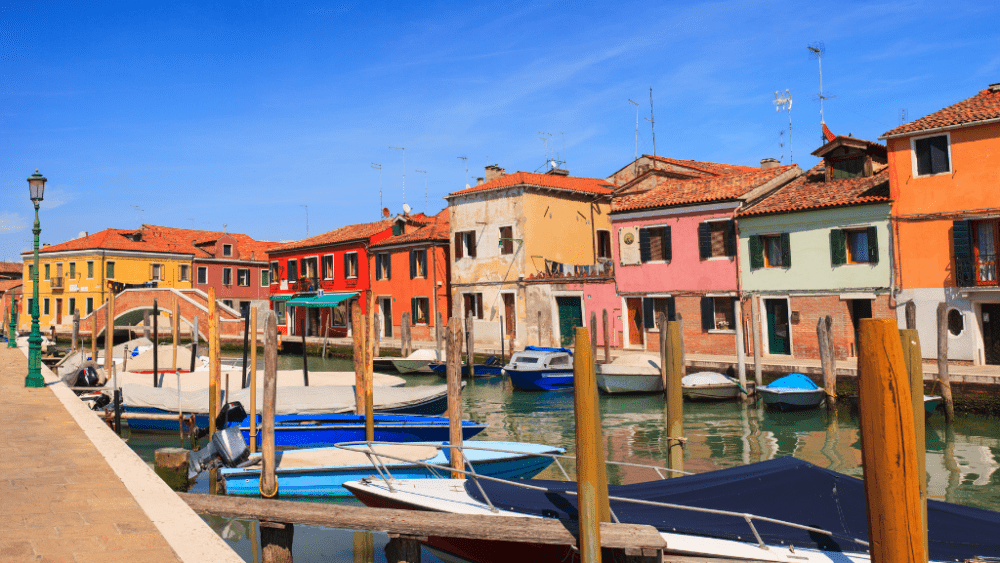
(454, 373)
(910, 340)
(758, 376)
(218, 359)
(145, 324)
(175, 326)
(607, 338)
(674, 398)
(253, 381)
(661, 322)
(109, 340)
(402, 549)
(377, 344)
(93, 338)
(888, 446)
(470, 340)
(156, 345)
(741, 353)
(911, 315)
(305, 357)
(438, 327)
(589, 452)
(829, 376)
(76, 328)
(195, 336)
(268, 480)
(358, 334)
(405, 345)
(369, 379)
(246, 345)
(942, 362)
(276, 542)
(364, 547)
(171, 465)
(213, 359)
(326, 335)
(539, 328)
(593, 335)
(833, 354)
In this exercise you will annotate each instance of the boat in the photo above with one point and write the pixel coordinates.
(492, 367)
(541, 369)
(416, 362)
(792, 392)
(310, 431)
(191, 381)
(931, 403)
(712, 386)
(383, 363)
(320, 472)
(328, 399)
(782, 509)
(630, 373)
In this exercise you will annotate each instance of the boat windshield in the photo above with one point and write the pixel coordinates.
(559, 361)
(524, 360)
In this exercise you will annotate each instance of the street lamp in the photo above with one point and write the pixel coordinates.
(12, 331)
(36, 186)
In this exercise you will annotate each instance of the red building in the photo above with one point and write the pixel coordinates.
(412, 273)
(236, 266)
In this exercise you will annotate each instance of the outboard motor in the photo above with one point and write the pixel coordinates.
(230, 413)
(227, 448)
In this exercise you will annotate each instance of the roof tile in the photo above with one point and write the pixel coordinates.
(981, 107)
(669, 192)
(811, 191)
(343, 234)
(437, 229)
(570, 183)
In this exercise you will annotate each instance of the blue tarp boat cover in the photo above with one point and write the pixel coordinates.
(793, 381)
(544, 349)
(784, 488)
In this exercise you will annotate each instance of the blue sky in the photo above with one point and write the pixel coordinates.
(205, 114)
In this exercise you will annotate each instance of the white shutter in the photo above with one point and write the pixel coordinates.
(628, 246)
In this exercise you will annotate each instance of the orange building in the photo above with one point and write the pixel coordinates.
(944, 180)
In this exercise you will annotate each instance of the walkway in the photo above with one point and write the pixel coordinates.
(72, 491)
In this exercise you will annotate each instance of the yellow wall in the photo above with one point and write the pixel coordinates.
(128, 269)
(559, 228)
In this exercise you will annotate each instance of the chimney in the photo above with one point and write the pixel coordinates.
(46, 245)
(995, 87)
(766, 163)
(493, 172)
(558, 172)
(479, 181)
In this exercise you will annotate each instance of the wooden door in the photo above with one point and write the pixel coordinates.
(570, 317)
(59, 308)
(777, 326)
(991, 333)
(636, 332)
(510, 314)
(387, 317)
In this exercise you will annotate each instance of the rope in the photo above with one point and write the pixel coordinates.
(260, 485)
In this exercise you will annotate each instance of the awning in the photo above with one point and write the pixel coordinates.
(285, 297)
(316, 301)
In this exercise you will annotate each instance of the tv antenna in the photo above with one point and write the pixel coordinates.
(652, 122)
(562, 156)
(424, 172)
(636, 104)
(546, 141)
(139, 212)
(817, 50)
(902, 116)
(466, 159)
(307, 218)
(785, 103)
(404, 169)
(379, 168)
(781, 144)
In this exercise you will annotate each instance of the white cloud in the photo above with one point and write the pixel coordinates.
(55, 197)
(12, 222)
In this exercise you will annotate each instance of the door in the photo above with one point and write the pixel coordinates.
(509, 313)
(387, 316)
(991, 332)
(778, 341)
(570, 317)
(860, 309)
(59, 308)
(636, 332)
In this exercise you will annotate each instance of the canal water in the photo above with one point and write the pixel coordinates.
(962, 460)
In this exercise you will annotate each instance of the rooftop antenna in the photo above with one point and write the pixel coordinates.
(466, 159)
(224, 225)
(902, 116)
(424, 172)
(137, 214)
(818, 49)
(546, 141)
(307, 218)
(192, 222)
(785, 103)
(562, 158)
(636, 104)
(652, 122)
(781, 144)
(404, 169)
(378, 167)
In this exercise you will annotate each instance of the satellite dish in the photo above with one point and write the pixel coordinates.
(385, 211)
(406, 209)
(81, 234)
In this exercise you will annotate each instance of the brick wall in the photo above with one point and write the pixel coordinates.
(696, 341)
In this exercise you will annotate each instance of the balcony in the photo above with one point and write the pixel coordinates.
(56, 282)
(986, 269)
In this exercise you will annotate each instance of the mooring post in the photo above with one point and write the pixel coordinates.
(674, 399)
(93, 336)
(276, 542)
(171, 464)
(741, 352)
(503, 349)
(175, 329)
(888, 456)
(607, 338)
(213, 358)
(194, 342)
(829, 377)
(253, 381)
(109, 341)
(454, 372)
(305, 356)
(438, 326)
(364, 547)
(942, 362)
(911, 315)
(661, 322)
(326, 335)
(218, 359)
(246, 345)
(758, 377)
(404, 335)
(470, 345)
(369, 370)
(539, 328)
(589, 452)
(680, 346)
(833, 353)
(145, 324)
(156, 345)
(402, 549)
(358, 334)
(910, 339)
(76, 329)
(268, 480)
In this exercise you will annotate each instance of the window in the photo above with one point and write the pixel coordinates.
(397, 229)
(653, 306)
(243, 277)
(854, 246)
(185, 273)
(770, 251)
(328, 267)
(350, 264)
(985, 251)
(47, 271)
(310, 267)
(227, 276)
(717, 239)
(202, 275)
(72, 270)
(228, 303)
(465, 244)
(383, 266)
(31, 271)
(655, 244)
(931, 155)
(473, 304)
(506, 240)
(279, 311)
(419, 309)
(72, 305)
(31, 305)
(227, 250)
(90, 270)
(956, 323)
(156, 272)
(109, 270)
(341, 316)
(45, 306)
(850, 168)
(264, 278)
(717, 313)
(293, 271)
(418, 264)
(273, 278)
(90, 305)
(604, 244)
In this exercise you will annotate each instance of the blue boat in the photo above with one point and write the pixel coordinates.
(305, 431)
(320, 472)
(491, 368)
(792, 392)
(541, 369)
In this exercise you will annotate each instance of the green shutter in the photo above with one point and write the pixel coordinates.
(731, 237)
(962, 236)
(786, 250)
(756, 247)
(873, 245)
(668, 250)
(648, 313)
(838, 247)
(704, 241)
(645, 254)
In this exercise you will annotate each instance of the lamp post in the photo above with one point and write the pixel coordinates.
(36, 186)
(12, 332)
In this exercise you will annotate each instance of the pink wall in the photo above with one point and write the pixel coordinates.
(597, 297)
(686, 271)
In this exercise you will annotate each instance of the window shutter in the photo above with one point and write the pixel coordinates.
(923, 150)
(648, 314)
(873, 245)
(962, 234)
(378, 266)
(413, 264)
(731, 238)
(458, 245)
(668, 251)
(939, 154)
(413, 309)
(479, 305)
(704, 241)
(472, 246)
(347, 264)
(838, 247)
(707, 314)
(671, 309)
(786, 250)
(644, 252)
(756, 248)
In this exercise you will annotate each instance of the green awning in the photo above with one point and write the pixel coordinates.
(328, 300)
(285, 297)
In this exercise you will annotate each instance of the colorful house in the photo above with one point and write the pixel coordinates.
(531, 251)
(943, 182)
(675, 247)
(817, 246)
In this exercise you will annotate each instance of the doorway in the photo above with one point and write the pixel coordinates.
(570, 317)
(510, 315)
(778, 339)
(636, 333)
(59, 308)
(860, 309)
(991, 333)
(386, 303)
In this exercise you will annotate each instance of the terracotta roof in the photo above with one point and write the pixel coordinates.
(249, 248)
(437, 229)
(343, 234)
(154, 238)
(982, 107)
(570, 183)
(669, 192)
(811, 191)
(6, 285)
(11, 268)
(714, 168)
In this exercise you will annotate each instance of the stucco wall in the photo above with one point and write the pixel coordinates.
(562, 229)
(968, 345)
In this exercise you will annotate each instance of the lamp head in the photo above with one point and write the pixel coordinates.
(36, 186)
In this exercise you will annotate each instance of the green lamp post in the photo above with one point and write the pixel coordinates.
(12, 333)
(36, 186)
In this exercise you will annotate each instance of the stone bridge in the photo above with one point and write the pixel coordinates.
(131, 304)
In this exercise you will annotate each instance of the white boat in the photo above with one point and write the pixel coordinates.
(792, 392)
(711, 386)
(417, 362)
(191, 381)
(631, 373)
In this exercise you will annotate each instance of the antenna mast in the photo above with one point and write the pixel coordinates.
(466, 159)
(817, 49)
(404, 169)
(546, 141)
(636, 104)
(651, 120)
(424, 172)
(137, 212)
(785, 103)
(379, 168)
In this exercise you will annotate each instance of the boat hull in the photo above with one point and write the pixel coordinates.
(291, 431)
(412, 366)
(788, 400)
(629, 383)
(478, 370)
(541, 380)
(721, 392)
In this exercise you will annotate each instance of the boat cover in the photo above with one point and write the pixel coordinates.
(793, 381)
(544, 349)
(784, 488)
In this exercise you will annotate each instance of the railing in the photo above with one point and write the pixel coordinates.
(986, 269)
(57, 282)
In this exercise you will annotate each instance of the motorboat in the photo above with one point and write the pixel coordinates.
(541, 369)
(630, 373)
(931, 403)
(310, 431)
(492, 367)
(417, 362)
(792, 392)
(712, 386)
